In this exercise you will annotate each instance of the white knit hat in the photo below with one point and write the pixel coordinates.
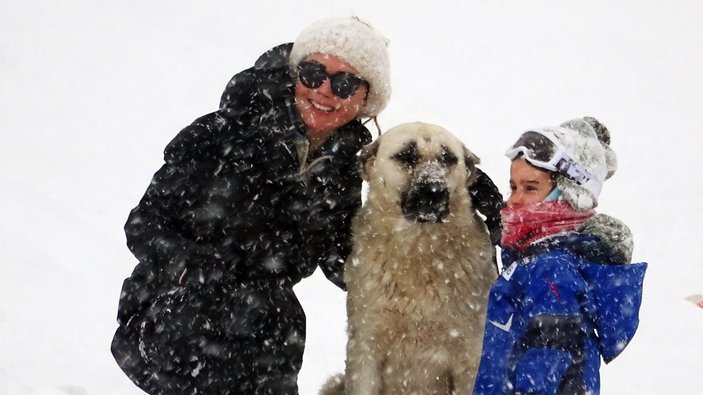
(359, 45)
(587, 141)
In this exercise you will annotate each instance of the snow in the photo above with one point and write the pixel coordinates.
(92, 91)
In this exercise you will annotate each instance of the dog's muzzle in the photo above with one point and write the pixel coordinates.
(427, 198)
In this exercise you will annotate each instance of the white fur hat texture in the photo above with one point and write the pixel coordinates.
(359, 45)
(587, 141)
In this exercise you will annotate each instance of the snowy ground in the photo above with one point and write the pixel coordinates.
(91, 92)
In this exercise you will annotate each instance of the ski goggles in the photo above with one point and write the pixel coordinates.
(343, 84)
(543, 149)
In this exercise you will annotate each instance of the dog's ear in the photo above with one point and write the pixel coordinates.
(366, 158)
(471, 160)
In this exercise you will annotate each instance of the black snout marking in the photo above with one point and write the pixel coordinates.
(426, 202)
(427, 198)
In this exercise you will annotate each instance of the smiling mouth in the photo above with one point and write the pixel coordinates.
(321, 107)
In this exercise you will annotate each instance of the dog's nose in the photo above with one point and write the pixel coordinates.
(426, 201)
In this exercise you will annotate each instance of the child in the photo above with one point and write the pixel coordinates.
(567, 295)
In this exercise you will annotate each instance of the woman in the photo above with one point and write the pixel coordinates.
(251, 199)
(567, 295)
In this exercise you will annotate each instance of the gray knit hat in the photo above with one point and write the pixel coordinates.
(359, 45)
(588, 143)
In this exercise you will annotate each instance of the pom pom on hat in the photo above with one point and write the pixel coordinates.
(359, 45)
(588, 143)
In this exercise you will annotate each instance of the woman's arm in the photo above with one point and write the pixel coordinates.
(340, 246)
(152, 229)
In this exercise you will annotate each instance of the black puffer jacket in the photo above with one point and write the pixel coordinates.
(233, 205)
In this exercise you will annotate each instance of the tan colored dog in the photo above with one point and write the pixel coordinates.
(420, 270)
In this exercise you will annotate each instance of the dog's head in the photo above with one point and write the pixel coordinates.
(418, 168)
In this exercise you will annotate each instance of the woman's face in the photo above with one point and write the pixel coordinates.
(528, 184)
(320, 109)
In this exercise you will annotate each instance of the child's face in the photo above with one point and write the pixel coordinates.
(528, 184)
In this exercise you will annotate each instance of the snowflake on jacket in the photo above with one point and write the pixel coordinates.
(557, 308)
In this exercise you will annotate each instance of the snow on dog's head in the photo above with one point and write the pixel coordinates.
(418, 169)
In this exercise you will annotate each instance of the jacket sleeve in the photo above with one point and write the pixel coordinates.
(488, 201)
(333, 260)
(151, 228)
(166, 255)
(553, 343)
(152, 231)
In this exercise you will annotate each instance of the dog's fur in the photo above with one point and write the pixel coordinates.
(420, 270)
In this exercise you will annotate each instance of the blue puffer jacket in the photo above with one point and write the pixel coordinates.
(555, 310)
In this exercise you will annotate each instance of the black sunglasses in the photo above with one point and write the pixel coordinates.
(343, 84)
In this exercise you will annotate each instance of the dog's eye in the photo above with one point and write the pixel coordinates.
(408, 156)
(447, 158)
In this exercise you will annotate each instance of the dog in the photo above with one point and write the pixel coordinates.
(420, 269)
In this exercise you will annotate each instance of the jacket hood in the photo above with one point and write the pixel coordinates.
(613, 234)
(276, 57)
(267, 80)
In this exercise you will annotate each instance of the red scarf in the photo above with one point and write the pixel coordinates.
(524, 224)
